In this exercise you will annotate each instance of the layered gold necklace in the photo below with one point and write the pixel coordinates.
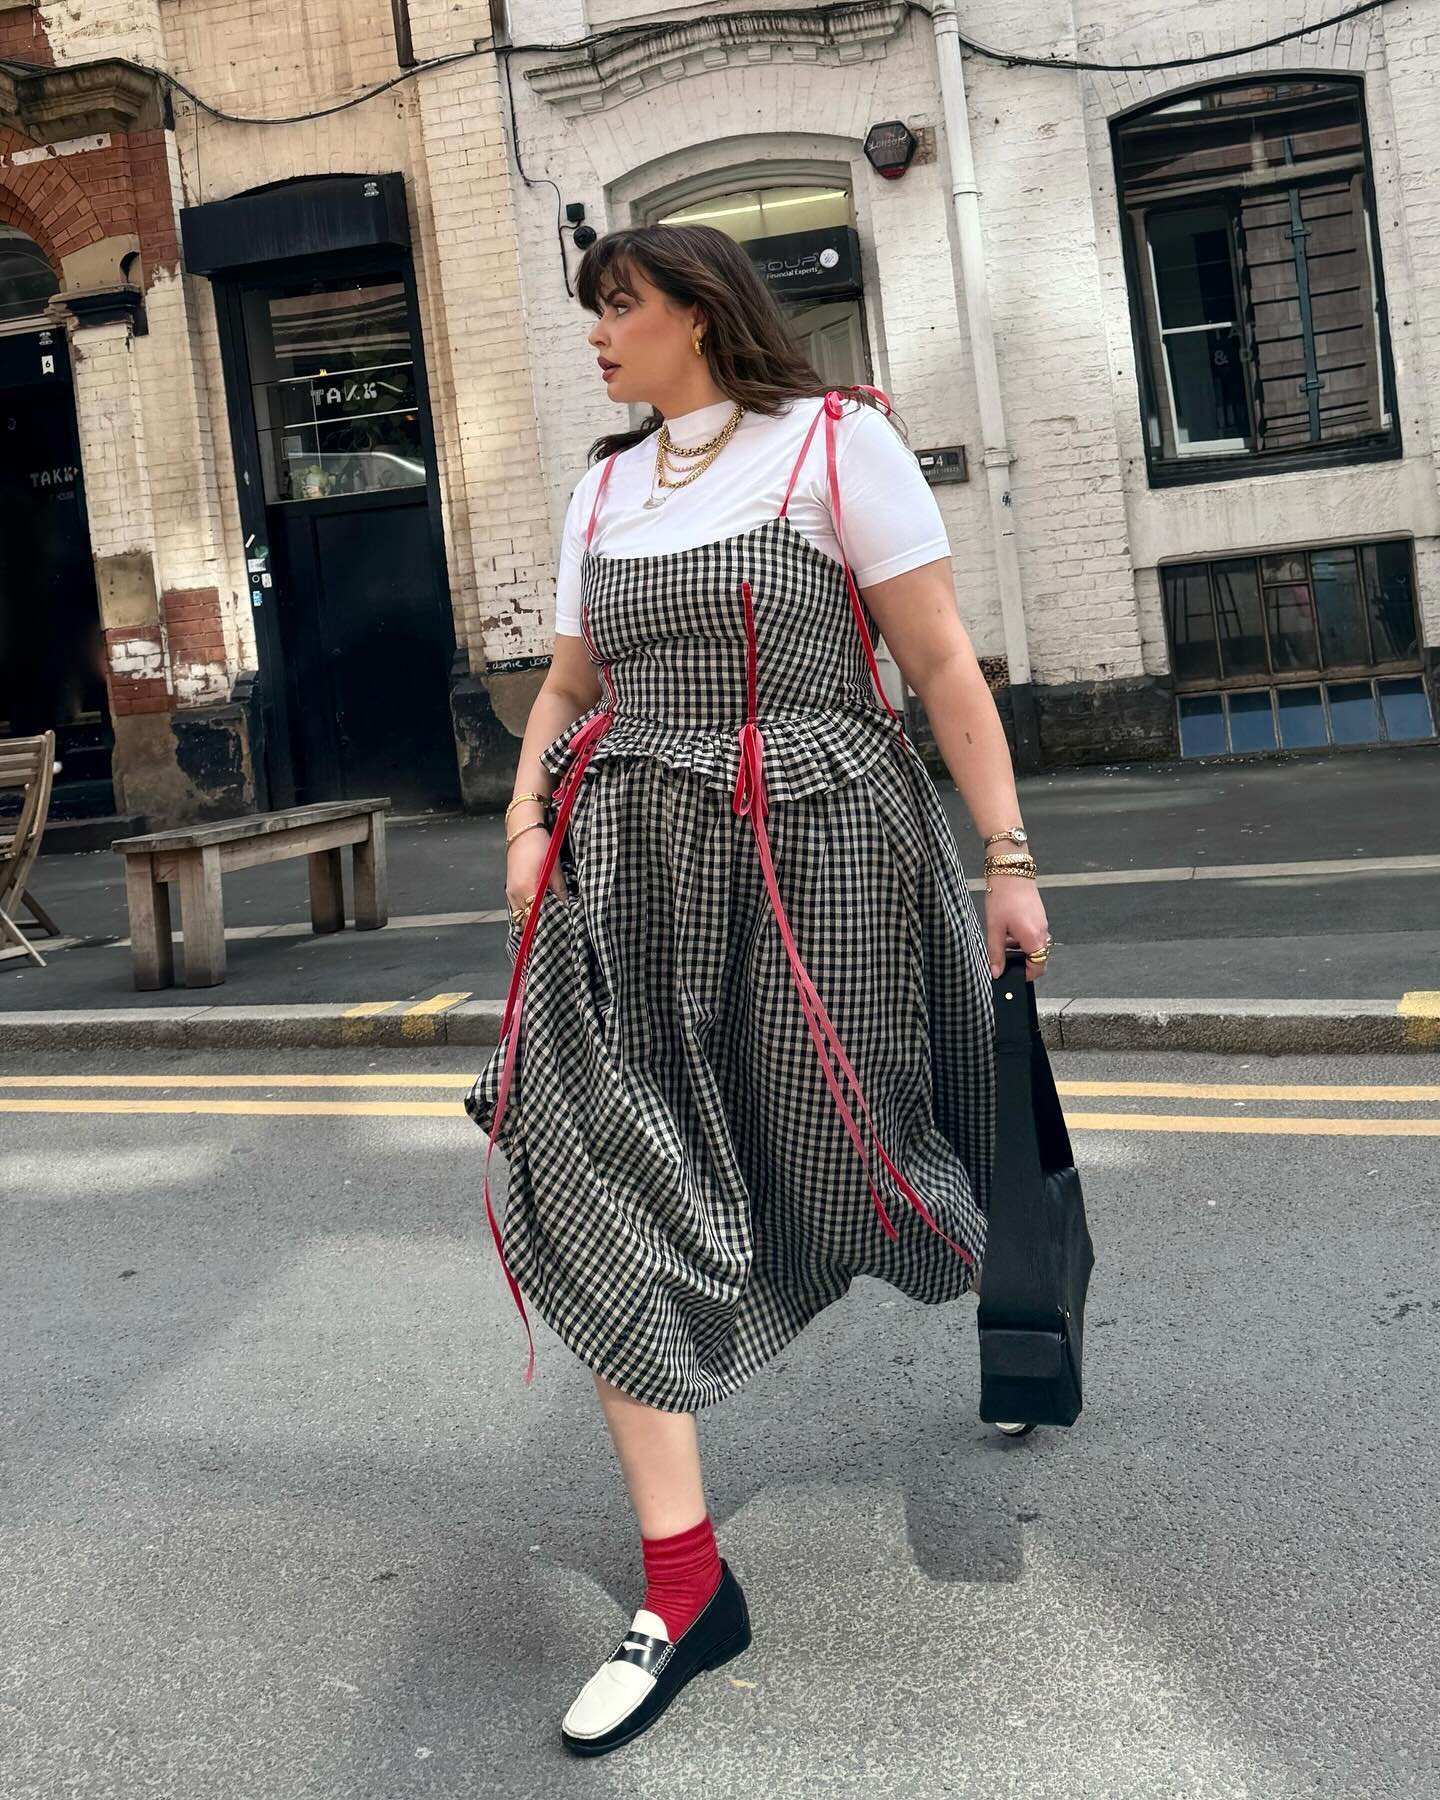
(703, 455)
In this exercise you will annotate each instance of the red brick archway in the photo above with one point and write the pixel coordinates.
(44, 199)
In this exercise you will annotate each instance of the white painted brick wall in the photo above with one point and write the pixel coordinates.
(443, 132)
(513, 389)
(113, 448)
(266, 61)
(86, 30)
(782, 110)
(1390, 49)
(480, 357)
(179, 450)
(1090, 531)
(260, 59)
(137, 659)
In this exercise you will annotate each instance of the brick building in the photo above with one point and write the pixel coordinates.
(1213, 293)
(268, 459)
(290, 410)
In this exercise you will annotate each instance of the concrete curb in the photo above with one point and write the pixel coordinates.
(1269, 1027)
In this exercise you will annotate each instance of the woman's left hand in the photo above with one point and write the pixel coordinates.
(1014, 914)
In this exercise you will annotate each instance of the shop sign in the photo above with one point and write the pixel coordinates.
(809, 265)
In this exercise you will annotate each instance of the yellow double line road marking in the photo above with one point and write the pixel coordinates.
(252, 1109)
(1337, 1093)
(50, 1100)
(240, 1081)
(1334, 1092)
(1251, 1124)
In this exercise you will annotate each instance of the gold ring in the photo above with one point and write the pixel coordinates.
(1040, 954)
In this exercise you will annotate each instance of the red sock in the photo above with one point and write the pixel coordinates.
(681, 1573)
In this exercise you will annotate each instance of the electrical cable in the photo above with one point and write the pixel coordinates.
(505, 53)
(621, 34)
(840, 9)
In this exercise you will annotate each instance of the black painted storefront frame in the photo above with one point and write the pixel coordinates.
(324, 228)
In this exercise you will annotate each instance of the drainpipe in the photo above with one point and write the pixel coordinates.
(404, 37)
(996, 456)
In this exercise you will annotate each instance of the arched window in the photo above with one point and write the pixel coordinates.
(802, 237)
(26, 279)
(1256, 278)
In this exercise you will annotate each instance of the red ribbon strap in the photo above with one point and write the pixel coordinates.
(834, 408)
(749, 801)
(583, 744)
(581, 749)
(600, 488)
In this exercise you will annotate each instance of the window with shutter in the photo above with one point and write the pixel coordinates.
(1305, 278)
(1256, 281)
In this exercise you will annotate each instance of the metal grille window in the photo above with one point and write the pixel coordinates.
(1255, 279)
(1298, 648)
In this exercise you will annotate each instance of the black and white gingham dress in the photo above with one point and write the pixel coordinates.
(685, 1192)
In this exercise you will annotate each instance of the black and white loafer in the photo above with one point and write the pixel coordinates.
(628, 1693)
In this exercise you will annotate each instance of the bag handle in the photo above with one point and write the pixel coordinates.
(1019, 1043)
(1018, 1277)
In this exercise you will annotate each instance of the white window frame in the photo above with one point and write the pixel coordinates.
(1203, 446)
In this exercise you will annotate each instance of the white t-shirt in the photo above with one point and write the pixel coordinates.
(889, 513)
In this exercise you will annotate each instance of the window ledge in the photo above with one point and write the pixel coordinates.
(1193, 470)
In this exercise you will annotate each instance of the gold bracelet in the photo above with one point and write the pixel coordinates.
(1011, 865)
(544, 800)
(534, 825)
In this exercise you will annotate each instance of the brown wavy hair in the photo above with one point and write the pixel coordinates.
(753, 359)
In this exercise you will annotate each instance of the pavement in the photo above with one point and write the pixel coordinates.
(1278, 904)
(282, 1522)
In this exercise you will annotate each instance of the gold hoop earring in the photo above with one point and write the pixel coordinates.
(699, 347)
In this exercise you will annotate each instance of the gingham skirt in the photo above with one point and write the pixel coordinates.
(682, 1195)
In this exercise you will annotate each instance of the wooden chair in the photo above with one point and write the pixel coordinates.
(27, 763)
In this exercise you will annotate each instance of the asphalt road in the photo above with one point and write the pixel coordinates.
(282, 1523)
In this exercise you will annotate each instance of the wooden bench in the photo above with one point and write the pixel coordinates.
(27, 763)
(197, 858)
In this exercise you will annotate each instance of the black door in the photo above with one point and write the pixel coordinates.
(343, 547)
(368, 656)
(52, 650)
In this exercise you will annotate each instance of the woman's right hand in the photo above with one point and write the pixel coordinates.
(523, 862)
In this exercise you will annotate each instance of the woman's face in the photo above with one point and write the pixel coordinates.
(642, 338)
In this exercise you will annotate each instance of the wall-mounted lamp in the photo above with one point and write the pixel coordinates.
(889, 148)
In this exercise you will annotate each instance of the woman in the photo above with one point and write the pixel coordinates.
(755, 1059)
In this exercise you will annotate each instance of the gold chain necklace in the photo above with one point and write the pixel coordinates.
(673, 449)
(664, 448)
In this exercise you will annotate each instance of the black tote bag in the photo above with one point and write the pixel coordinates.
(1038, 1253)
